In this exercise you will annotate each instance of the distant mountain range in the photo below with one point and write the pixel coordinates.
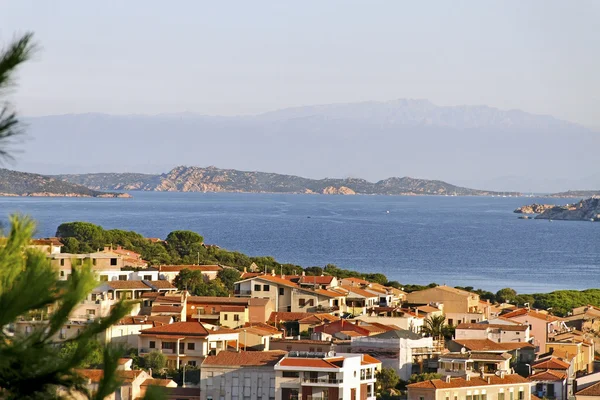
(474, 145)
(14, 183)
(212, 179)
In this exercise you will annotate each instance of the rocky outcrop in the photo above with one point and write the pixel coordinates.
(212, 179)
(584, 210)
(340, 190)
(534, 208)
(15, 183)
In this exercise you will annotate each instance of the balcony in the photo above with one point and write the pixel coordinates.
(240, 292)
(322, 382)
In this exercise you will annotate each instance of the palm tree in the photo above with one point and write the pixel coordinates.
(14, 55)
(434, 327)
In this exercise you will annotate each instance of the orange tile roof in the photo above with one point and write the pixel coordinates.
(490, 345)
(276, 279)
(357, 281)
(247, 275)
(462, 382)
(531, 313)
(245, 358)
(548, 375)
(179, 268)
(158, 382)
(263, 326)
(288, 316)
(94, 375)
(233, 308)
(592, 390)
(481, 326)
(318, 280)
(168, 309)
(123, 285)
(551, 363)
(370, 360)
(179, 328)
(307, 363)
(359, 291)
(161, 284)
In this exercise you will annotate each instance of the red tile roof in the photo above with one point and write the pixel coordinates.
(167, 309)
(593, 390)
(233, 308)
(370, 360)
(288, 316)
(318, 280)
(531, 313)
(245, 358)
(159, 382)
(178, 328)
(161, 284)
(94, 375)
(307, 363)
(123, 285)
(359, 291)
(481, 326)
(462, 382)
(551, 363)
(548, 375)
(490, 345)
(356, 281)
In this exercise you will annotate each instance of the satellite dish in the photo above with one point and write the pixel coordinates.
(463, 351)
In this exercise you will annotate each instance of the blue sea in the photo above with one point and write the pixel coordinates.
(467, 241)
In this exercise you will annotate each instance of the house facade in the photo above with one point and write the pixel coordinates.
(505, 387)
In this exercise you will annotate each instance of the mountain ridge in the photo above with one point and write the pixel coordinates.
(213, 179)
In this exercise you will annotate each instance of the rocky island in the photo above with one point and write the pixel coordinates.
(212, 179)
(16, 184)
(584, 210)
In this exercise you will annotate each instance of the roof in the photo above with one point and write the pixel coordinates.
(473, 355)
(428, 309)
(160, 284)
(480, 326)
(490, 345)
(318, 280)
(307, 363)
(128, 285)
(245, 358)
(302, 341)
(359, 291)
(178, 328)
(531, 313)
(168, 309)
(178, 268)
(357, 281)
(94, 375)
(592, 390)
(145, 320)
(548, 375)
(273, 279)
(233, 308)
(52, 241)
(462, 382)
(318, 318)
(551, 363)
(288, 316)
(398, 334)
(370, 360)
(158, 382)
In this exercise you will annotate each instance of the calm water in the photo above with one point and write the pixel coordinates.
(470, 241)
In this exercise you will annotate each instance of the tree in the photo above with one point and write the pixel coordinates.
(184, 243)
(434, 326)
(387, 378)
(426, 376)
(94, 358)
(229, 276)
(195, 283)
(506, 295)
(31, 366)
(155, 360)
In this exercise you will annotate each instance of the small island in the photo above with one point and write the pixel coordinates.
(24, 184)
(584, 210)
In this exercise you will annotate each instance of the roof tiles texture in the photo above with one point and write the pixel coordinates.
(243, 358)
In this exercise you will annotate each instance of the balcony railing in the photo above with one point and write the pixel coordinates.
(323, 381)
(240, 292)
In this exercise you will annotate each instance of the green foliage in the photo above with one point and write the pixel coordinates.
(229, 276)
(426, 376)
(387, 378)
(563, 301)
(32, 366)
(185, 243)
(196, 284)
(93, 359)
(415, 288)
(434, 326)
(313, 271)
(155, 360)
(376, 278)
(506, 295)
(394, 284)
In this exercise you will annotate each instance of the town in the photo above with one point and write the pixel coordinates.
(320, 337)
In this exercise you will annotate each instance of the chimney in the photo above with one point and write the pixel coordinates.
(501, 374)
(245, 270)
(273, 272)
(489, 380)
(303, 273)
(447, 379)
(150, 372)
(481, 375)
(468, 377)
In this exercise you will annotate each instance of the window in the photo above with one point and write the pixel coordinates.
(301, 302)
(320, 349)
(90, 312)
(62, 262)
(257, 288)
(469, 397)
(512, 396)
(152, 344)
(311, 349)
(521, 395)
(192, 363)
(500, 396)
(289, 348)
(94, 296)
(236, 317)
(281, 291)
(63, 334)
(122, 277)
(62, 273)
(291, 374)
(191, 346)
(209, 376)
(225, 317)
(147, 277)
(247, 381)
(266, 288)
(168, 345)
(113, 261)
(181, 348)
(93, 261)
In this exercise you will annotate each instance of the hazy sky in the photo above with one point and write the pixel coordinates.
(251, 56)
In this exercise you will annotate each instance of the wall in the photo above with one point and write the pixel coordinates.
(227, 383)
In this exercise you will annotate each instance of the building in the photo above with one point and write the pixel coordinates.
(311, 346)
(127, 330)
(459, 305)
(230, 312)
(522, 353)
(258, 337)
(239, 375)
(473, 364)
(591, 392)
(318, 376)
(50, 245)
(133, 384)
(185, 342)
(402, 350)
(500, 333)
(505, 387)
(169, 272)
(359, 300)
(541, 324)
(550, 384)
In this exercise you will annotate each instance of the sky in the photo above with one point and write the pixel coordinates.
(231, 58)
